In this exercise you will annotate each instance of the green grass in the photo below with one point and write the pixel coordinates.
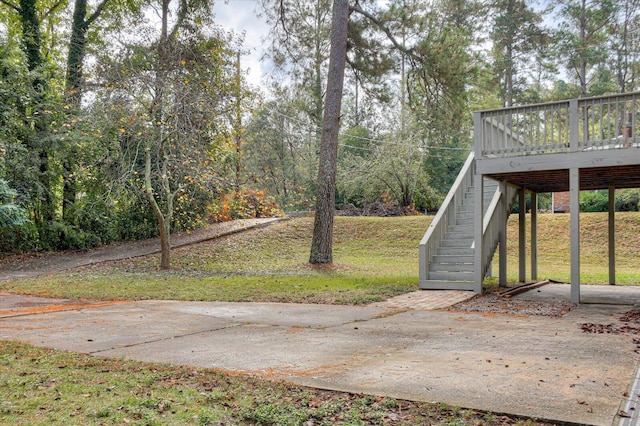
(554, 248)
(49, 387)
(375, 258)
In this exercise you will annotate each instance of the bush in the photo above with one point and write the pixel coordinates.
(628, 200)
(10, 213)
(246, 204)
(594, 201)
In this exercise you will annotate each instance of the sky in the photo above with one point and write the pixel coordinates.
(241, 16)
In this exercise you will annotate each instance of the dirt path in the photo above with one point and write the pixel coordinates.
(32, 265)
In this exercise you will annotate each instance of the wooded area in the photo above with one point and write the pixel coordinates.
(121, 120)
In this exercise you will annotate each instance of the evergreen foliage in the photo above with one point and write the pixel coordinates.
(116, 126)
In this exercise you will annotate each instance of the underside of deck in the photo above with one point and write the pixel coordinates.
(575, 145)
(558, 180)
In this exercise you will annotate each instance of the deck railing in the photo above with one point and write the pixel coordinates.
(605, 122)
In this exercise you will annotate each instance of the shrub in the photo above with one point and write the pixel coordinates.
(246, 204)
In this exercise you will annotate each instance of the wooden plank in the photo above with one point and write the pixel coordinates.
(522, 288)
(560, 161)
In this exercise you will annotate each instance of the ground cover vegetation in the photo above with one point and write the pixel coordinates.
(376, 258)
(44, 386)
(122, 120)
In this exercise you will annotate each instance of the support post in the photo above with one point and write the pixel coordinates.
(478, 273)
(612, 235)
(502, 243)
(573, 125)
(534, 236)
(522, 235)
(574, 188)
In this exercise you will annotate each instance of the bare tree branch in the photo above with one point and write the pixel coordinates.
(95, 15)
(54, 7)
(387, 31)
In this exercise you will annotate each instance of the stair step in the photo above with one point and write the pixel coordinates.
(453, 258)
(450, 267)
(463, 227)
(458, 236)
(446, 285)
(450, 276)
(454, 251)
(464, 216)
(461, 243)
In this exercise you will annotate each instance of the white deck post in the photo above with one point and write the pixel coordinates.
(522, 235)
(502, 243)
(478, 273)
(574, 205)
(534, 236)
(612, 235)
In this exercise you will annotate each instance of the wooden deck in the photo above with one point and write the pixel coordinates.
(573, 145)
(535, 146)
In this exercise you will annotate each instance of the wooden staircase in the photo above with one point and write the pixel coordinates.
(447, 256)
(452, 264)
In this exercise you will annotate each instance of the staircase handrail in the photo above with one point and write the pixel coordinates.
(508, 132)
(497, 213)
(446, 215)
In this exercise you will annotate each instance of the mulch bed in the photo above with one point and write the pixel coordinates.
(494, 304)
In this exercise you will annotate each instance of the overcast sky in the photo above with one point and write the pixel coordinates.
(241, 16)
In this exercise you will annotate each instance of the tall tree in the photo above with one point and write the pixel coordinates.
(82, 20)
(38, 108)
(322, 242)
(300, 46)
(516, 36)
(624, 38)
(168, 103)
(581, 39)
(433, 76)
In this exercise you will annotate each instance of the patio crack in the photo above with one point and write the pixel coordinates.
(162, 339)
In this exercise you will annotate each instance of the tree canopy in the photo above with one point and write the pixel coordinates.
(124, 119)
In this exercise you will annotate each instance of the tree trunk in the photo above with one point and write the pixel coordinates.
(75, 57)
(32, 46)
(31, 38)
(322, 243)
(164, 223)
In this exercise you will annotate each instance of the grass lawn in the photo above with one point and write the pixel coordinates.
(376, 258)
(554, 248)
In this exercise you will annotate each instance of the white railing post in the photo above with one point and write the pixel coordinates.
(477, 134)
(502, 217)
(574, 126)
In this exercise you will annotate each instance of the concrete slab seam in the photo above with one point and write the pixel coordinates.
(147, 342)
